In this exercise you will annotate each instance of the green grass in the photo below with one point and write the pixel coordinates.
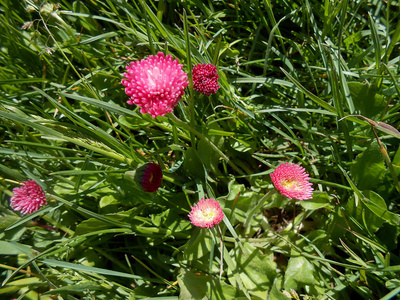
(315, 83)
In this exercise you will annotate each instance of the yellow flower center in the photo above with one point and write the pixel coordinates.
(290, 184)
(208, 214)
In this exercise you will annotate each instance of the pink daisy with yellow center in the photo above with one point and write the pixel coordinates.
(206, 214)
(292, 181)
(205, 79)
(156, 84)
(28, 198)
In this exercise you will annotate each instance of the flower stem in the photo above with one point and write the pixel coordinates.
(190, 75)
(222, 252)
(211, 144)
(257, 207)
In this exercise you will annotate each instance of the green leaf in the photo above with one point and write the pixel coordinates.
(67, 265)
(361, 213)
(366, 100)
(133, 122)
(378, 206)
(13, 248)
(198, 246)
(33, 281)
(91, 225)
(23, 80)
(108, 200)
(388, 129)
(75, 288)
(201, 286)
(193, 164)
(316, 99)
(257, 270)
(369, 168)
(209, 157)
(299, 273)
(276, 291)
(319, 200)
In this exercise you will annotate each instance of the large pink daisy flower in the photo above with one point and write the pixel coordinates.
(28, 198)
(156, 84)
(292, 181)
(206, 214)
(205, 79)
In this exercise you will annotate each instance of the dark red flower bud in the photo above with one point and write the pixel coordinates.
(205, 79)
(148, 176)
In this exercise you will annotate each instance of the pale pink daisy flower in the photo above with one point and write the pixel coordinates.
(156, 84)
(205, 79)
(206, 214)
(292, 181)
(28, 198)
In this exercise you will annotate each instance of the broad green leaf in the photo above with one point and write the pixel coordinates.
(234, 189)
(299, 273)
(33, 281)
(241, 145)
(193, 164)
(197, 286)
(108, 200)
(392, 284)
(208, 156)
(90, 225)
(13, 248)
(369, 168)
(133, 122)
(319, 200)
(378, 206)
(91, 258)
(198, 246)
(276, 291)
(257, 270)
(366, 100)
(363, 215)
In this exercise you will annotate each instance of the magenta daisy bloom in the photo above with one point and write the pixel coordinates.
(205, 79)
(28, 198)
(206, 214)
(152, 177)
(156, 84)
(292, 181)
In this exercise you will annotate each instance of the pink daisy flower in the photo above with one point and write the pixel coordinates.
(206, 214)
(152, 177)
(205, 79)
(292, 181)
(28, 198)
(156, 84)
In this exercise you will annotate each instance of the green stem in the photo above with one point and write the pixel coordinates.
(211, 144)
(222, 252)
(257, 207)
(189, 58)
(153, 50)
(58, 225)
(387, 159)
